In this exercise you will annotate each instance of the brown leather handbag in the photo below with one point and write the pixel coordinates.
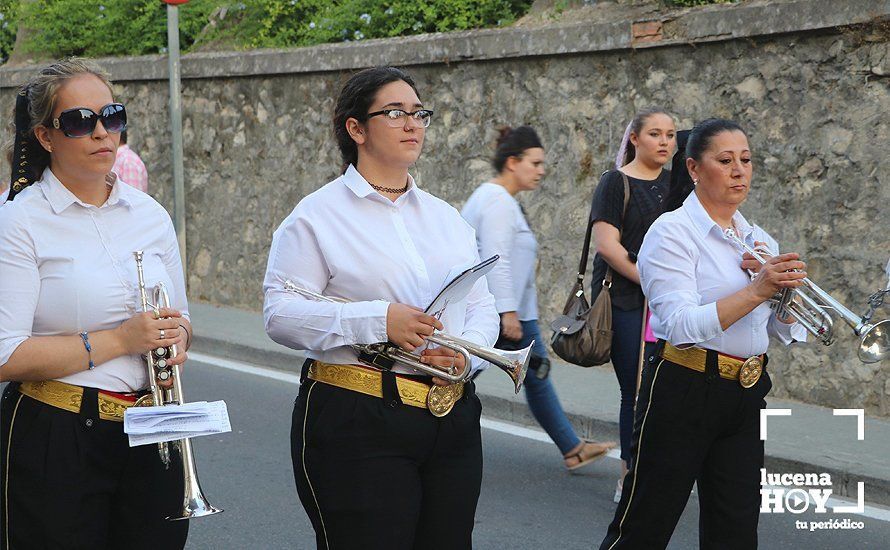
(582, 335)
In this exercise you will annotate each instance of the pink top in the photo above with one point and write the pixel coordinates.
(130, 169)
(649, 337)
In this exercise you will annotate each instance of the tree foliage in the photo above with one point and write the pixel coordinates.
(133, 27)
(107, 27)
(8, 24)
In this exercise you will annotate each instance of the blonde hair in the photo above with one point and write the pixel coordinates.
(42, 91)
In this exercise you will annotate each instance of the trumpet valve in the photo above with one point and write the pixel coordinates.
(161, 352)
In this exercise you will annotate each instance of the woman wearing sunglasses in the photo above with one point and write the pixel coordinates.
(376, 465)
(71, 328)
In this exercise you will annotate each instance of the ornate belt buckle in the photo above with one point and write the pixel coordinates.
(750, 371)
(441, 399)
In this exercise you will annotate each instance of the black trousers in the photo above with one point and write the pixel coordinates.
(70, 481)
(371, 475)
(692, 427)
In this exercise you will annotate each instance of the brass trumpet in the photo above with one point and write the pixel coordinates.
(194, 503)
(811, 307)
(514, 363)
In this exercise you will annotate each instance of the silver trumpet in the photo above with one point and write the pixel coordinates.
(194, 503)
(811, 307)
(514, 363)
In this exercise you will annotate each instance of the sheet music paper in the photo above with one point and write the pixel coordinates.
(146, 425)
(458, 287)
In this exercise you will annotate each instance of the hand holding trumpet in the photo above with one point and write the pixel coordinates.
(778, 273)
(147, 331)
(409, 327)
(444, 359)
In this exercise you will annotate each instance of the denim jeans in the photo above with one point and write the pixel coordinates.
(542, 398)
(626, 327)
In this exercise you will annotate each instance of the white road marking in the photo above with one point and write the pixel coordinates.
(874, 512)
(515, 429)
(275, 374)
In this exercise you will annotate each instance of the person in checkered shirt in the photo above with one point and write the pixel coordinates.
(129, 167)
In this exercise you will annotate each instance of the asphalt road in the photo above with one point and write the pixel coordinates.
(528, 501)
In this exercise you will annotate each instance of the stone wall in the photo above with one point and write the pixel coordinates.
(813, 96)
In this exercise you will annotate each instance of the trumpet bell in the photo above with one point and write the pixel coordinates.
(874, 345)
(513, 362)
(516, 365)
(195, 506)
(194, 503)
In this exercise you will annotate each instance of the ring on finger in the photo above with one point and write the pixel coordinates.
(163, 334)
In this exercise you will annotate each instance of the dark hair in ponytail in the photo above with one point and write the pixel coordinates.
(627, 151)
(681, 183)
(513, 142)
(701, 136)
(354, 101)
(34, 106)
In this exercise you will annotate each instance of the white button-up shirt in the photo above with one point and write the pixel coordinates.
(502, 229)
(686, 264)
(68, 267)
(348, 241)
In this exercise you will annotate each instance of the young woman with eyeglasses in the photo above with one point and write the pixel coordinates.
(71, 328)
(378, 462)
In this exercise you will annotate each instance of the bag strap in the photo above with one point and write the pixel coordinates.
(607, 280)
(582, 267)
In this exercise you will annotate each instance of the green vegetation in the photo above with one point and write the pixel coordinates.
(286, 23)
(97, 28)
(133, 27)
(105, 27)
(8, 25)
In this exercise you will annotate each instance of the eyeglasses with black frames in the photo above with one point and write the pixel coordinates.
(396, 118)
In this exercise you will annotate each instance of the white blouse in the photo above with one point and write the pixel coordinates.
(68, 267)
(345, 240)
(501, 228)
(686, 265)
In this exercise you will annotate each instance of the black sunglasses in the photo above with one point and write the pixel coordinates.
(80, 121)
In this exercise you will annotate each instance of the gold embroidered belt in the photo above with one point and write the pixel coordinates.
(68, 397)
(746, 371)
(439, 400)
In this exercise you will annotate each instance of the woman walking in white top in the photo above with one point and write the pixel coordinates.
(501, 228)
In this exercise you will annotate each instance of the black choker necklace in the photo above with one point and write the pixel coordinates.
(389, 189)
